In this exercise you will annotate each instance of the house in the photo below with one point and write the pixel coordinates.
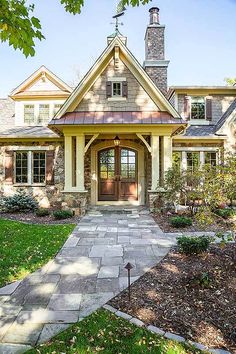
(112, 138)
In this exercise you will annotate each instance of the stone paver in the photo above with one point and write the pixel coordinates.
(86, 273)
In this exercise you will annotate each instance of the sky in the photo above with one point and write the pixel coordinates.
(200, 40)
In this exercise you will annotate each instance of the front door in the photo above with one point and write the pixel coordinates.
(117, 171)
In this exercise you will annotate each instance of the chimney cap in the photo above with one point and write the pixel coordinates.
(154, 8)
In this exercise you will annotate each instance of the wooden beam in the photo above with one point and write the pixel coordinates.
(144, 141)
(94, 137)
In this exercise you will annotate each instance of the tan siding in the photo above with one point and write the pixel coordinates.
(95, 99)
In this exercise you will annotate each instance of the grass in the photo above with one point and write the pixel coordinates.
(106, 333)
(26, 247)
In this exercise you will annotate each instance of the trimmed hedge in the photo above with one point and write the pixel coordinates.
(193, 245)
(62, 214)
(180, 221)
(42, 212)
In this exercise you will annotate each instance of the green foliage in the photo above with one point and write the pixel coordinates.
(180, 221)
(27, 247)
(193, 245)
(20, 29)
(42, 212)
(230, 81)
(225, 213)
(62, 214)
(224, 238)
(104, 332)
(19, 202)
(204, 189)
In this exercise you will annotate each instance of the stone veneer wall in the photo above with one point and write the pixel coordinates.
(220, 103)
(48, 195)
(96, 100)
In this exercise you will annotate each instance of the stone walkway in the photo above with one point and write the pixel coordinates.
(86, 273)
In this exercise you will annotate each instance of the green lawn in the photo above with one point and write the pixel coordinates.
(26, 247)
(108, 334)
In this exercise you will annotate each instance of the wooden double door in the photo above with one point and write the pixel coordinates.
(117, 174)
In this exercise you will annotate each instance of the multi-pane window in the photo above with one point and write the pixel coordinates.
(116, 89)
(28, 113)
(107, 164)
(21, 165)
(30, 167)
(43, 113)
(193, 161)
(211, 158)
(39, 167)
(56, 108)
(127, 164)
(197, 107)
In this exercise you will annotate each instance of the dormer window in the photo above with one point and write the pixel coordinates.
(116, 89)
(198, 106)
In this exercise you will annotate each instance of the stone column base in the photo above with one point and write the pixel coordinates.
(76, 201)
(156, 199)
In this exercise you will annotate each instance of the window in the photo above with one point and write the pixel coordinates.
(117, 89)
(192, 161)
(21, 167)
(211, 158)
(197, 107)
(43, 113)
(39, 167)
(56, 108)
(30, 167)
(28, 113)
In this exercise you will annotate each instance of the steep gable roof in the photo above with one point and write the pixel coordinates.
(226, 116)
(117, 47)
(42, 82)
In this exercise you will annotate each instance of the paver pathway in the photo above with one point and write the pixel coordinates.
(86, 273)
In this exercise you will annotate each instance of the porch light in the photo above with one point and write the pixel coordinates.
(117, 141)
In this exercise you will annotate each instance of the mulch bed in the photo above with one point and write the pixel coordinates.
(32, 218)
(219, 224)
(171, 297)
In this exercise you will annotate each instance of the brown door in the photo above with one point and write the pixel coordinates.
(117, 170)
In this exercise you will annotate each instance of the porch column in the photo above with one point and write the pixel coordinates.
(155, 143)
(184, 160)
(68, 163)
(167, 153)
(80, 143)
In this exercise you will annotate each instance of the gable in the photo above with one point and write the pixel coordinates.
(43, 83)
(121, 56)
(137, 99)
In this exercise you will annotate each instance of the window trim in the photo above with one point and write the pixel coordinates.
(197, 119)
(30, 154)
(20, 116)
(112, 89)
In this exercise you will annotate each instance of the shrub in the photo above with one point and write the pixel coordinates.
(42, 212)
(18, 202)
(225, 213)
(180, 221)
(62, 214)
(193, 245)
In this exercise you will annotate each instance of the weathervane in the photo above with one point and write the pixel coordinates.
(120, 10)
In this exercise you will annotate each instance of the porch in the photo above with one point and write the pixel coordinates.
(98, 172)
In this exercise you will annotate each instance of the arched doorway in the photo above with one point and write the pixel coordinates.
(117, 174)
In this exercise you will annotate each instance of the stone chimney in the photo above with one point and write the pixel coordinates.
(155, 64)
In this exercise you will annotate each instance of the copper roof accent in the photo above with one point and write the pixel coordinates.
(91, 118)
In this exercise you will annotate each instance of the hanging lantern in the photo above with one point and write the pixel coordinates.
(117, 141)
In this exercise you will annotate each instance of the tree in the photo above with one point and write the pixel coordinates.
(230, 81)
(20, 29)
